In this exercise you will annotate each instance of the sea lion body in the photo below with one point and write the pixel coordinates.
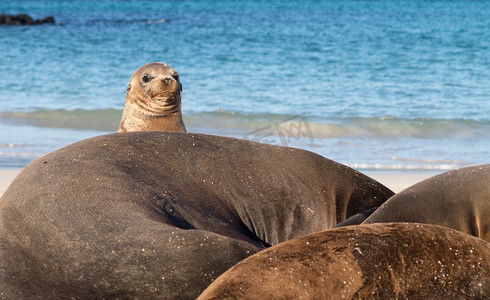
(459, 199)
(160, 215)
(379, 261)
(153, 101)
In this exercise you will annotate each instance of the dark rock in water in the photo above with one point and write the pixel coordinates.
(45, 20)
(23, 19)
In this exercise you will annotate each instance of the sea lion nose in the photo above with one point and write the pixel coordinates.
(167, 80)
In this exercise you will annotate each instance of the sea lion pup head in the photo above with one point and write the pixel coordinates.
(153, 100)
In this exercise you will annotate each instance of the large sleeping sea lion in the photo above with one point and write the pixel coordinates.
(159, 215)
(153, 100)
(459, 199)
(380, 261)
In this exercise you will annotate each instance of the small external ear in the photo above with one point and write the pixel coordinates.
(128, 89)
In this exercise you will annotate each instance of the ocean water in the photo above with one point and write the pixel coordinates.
(377, 85)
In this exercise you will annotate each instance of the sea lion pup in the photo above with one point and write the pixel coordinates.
(153, 100)
(380, 261)
(459, 199)
(155, 215)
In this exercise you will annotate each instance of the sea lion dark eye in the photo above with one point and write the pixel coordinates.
(147, 78)
(176, 77)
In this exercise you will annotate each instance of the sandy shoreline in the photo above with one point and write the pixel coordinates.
(395, 181)
(399, 181)
(6, 177)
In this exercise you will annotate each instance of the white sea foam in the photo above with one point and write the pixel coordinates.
(11, 145)
(376, 127)
(20, 154)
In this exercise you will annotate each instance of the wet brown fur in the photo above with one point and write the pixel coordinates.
(156, 215)
(459, 199)
(380, 261)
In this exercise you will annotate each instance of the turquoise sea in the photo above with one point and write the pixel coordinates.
(377, 85)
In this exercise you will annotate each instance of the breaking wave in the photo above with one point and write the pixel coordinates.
(233, 123)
